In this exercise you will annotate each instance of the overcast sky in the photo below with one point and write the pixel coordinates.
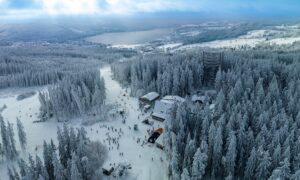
(134, 7)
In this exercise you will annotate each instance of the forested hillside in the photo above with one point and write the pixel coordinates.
(177, 74)
(254, 130)
(70, 69)
(36, 64)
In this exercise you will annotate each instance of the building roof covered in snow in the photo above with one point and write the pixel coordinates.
(162, 108)
(173, 99)
(151, 96)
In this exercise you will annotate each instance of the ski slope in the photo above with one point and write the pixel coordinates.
(140, 157)
(143, 168)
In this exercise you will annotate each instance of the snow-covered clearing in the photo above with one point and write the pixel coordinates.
(169, 46)
(127, 46)
(229, 43)
(140, 157)
(285, 41)
(27, 111)
(191, 33)
(251, 39)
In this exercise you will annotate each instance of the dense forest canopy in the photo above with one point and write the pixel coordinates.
(177, 74)
(253, 132)
(70, 69)
(41, 63)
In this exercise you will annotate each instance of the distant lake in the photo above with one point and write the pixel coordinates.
(130, 38)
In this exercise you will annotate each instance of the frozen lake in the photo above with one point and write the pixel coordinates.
(130, 38)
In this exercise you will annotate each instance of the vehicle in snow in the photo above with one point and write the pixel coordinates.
(155, 135)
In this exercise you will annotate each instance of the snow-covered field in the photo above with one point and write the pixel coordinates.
(127, 46)
(169, 46)
(275, 36)
(145, 160)
(27, 111)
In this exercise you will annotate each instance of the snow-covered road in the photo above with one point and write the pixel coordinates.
(145, 160)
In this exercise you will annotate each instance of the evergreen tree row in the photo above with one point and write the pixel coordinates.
(8, 148)
(75, 158)
(79, 94)
(14, 73)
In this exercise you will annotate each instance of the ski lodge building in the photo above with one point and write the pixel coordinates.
(149, 98)
(162, 107)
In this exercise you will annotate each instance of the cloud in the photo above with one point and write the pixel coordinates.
(106, 7)
(55, 7)
(133, 6)
(109, 6)
(125, 7)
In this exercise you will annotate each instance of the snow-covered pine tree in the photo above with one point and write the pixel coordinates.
(75, 175)
(12, 142)
(230, 159)
(21, 134)
(200, 162)
(185, 175)
(59, 173)
(264, 163)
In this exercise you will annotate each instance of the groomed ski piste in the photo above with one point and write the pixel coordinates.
(147, 161)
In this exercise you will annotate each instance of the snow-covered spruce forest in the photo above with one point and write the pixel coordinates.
(71, 70)
(75, 156)
(73, 89)
(253, 133)
(37, 64)
(177, 74)
(75, 95)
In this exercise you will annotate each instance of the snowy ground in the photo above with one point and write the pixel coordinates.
(169, 46)
(27, 111)
(145, 160)
(143, 167)
(286, 36)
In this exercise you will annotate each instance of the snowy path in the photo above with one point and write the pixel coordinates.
(143, 168)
